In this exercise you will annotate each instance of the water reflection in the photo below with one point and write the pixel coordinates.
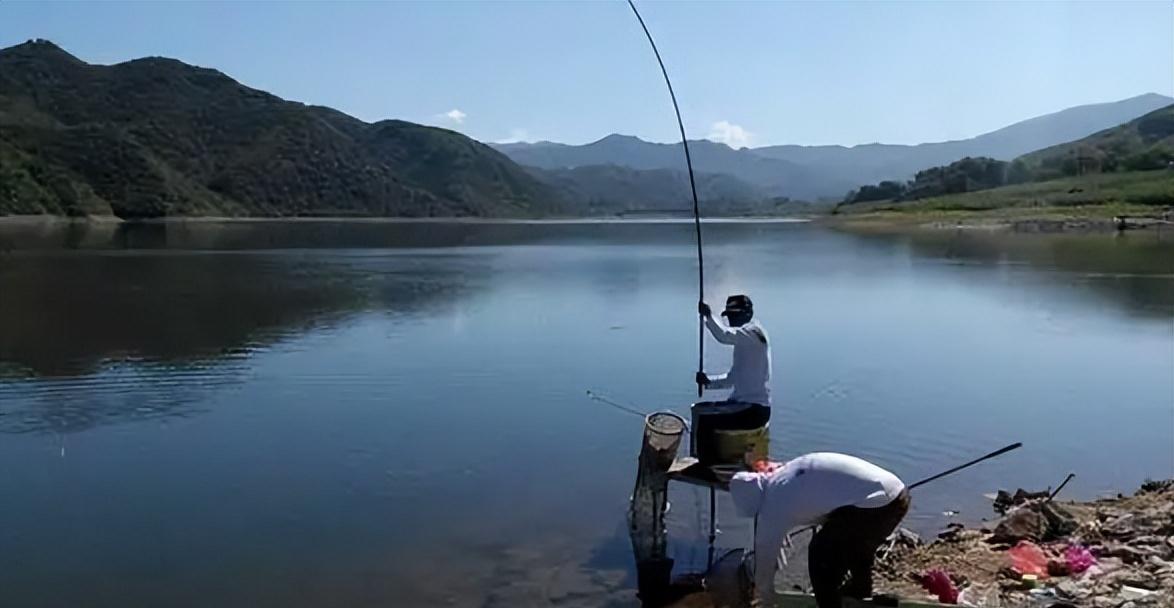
(1132, 271)
(354, 417)
(123, 393)
(87, 340)
(68, 315)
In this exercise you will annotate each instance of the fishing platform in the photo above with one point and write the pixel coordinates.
(724, 439)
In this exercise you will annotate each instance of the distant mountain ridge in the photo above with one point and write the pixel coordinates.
(156, 137)
(774, 176)
(612, 189)
(830, 171)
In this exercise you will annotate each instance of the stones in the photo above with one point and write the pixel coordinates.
(1132, 539)
(1023, 524)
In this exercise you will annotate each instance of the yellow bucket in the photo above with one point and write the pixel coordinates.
(736, 447)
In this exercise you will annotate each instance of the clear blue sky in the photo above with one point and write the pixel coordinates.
(759, 73)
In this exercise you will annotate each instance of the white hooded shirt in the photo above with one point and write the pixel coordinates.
(804, 491)
(749, 375)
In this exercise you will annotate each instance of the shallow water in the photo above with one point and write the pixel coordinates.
(379, 413)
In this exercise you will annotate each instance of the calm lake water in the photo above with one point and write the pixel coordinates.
(394, 414)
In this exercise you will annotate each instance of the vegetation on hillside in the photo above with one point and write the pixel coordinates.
(1144, 144)
(966, 175)
(1138, 145)
(1102, 195)
(612, 189)
(157, 138)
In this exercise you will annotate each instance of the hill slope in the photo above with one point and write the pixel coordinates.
(775, 177)
(156, 137)
(1140, 144)
(611, 189)
(875, 162)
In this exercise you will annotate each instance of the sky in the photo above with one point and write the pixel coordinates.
(745, 73)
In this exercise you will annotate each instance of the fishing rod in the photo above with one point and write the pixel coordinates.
(693, 189)
(998, 452)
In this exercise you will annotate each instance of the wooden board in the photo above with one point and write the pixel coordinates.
(689, 470)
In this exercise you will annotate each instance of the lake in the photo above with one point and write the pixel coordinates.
(320, 413)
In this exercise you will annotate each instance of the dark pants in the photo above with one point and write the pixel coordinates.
(846, 544)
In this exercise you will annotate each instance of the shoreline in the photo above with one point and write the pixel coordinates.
(31, 220)
(1128, 537)
(1094, 220)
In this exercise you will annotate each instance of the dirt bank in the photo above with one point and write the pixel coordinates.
(1130, 538)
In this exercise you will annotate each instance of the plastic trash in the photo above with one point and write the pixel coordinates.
(1079, 559)
(765, 466)
(938, 582)
(1028, 558)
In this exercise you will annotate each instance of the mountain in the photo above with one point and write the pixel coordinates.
(776, 177)
(875, 162)
(1140, 144)
(612, 189)
(156, 137)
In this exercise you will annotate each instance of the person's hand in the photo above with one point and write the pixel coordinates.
(703, 309)
(702, 379)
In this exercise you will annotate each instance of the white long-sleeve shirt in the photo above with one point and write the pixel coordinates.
(804, 491)
(749, 375)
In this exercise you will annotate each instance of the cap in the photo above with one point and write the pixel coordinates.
(738, 303)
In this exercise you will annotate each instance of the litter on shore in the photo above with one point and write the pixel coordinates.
(1110, 553)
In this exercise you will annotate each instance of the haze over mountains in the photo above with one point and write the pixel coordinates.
(156, 137)
(806, 172)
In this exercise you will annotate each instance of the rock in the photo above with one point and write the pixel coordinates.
(1138, 580)
(1127, 553)
(1159, 566)
(1005, 500)
(907, 537)
(1023, 524)
(1119, 526)
(1071, 589)
(1060, 521)
(1153, 487)
(1133, 593)
(1058, 567)
(951, 532)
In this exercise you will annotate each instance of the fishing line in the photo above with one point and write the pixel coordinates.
(619, 406)
(693, 189)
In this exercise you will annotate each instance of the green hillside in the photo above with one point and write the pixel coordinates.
(1128, 164)
(159, 138)
(1092, 196)
(1138, 145)
(611, 189)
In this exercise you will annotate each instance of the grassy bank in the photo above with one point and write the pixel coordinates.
(1089, 201)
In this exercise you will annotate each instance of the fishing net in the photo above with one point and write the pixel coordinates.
(663, 431)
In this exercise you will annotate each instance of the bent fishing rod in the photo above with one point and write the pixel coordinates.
(998, 452)
(693, 190)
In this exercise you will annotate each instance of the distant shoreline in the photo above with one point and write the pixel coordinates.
(55, 219)
(1034, 221)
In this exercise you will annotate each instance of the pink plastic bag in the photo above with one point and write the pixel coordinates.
(938, 583)
(1028, 558)
(1079, 559)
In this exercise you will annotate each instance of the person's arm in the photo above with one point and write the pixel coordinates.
(721, 333)
(768, 542)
